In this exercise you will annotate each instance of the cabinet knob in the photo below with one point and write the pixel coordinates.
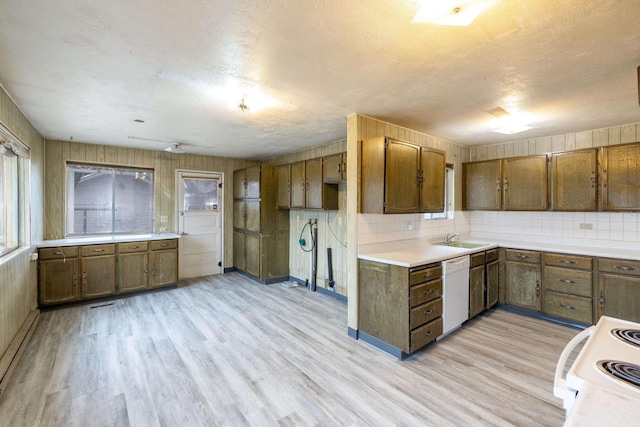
(537, 288)
(601, 299)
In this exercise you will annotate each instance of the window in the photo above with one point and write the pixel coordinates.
(200, 194)
(449, 197)
(9, 205)
(108, 200)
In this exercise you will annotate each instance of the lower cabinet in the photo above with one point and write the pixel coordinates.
(483, 281)
(618, 291)
(523, 279)
(400, 308)
(84, 272)
(568, 287)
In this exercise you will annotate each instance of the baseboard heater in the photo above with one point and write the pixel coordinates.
(14, 352)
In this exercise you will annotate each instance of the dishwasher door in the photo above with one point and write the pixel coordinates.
(455, 295)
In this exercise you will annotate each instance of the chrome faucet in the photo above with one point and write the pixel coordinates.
(450, 238)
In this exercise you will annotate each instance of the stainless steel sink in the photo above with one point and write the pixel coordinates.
(464, 245)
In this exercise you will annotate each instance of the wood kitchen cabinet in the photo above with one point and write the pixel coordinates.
(523, 279)
(568, 287)
(400, 308)
(58, 275)
(483, 281)
(401, 177)
(574, 181)
(246, 183)
(261, 230)
(308, 190)
(518, 184)
(133, 266)
(284, 187)
(164, 262)
(618, 291)
(492, 278)
(98, 265)
(334, 168)
(621, 177)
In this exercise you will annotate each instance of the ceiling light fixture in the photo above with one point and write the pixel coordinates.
(243, 106)
(450, 12)
(512, 129)
(175, 149)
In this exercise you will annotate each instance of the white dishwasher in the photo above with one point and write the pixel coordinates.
(455, 293)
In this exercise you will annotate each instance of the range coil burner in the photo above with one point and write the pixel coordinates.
(630, 336)
(624, 371)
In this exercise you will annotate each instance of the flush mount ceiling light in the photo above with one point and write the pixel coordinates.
(509, 123)
(450, 12)
(512, 129)
(175, 148)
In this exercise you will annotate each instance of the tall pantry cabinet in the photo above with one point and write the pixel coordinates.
(260, 229)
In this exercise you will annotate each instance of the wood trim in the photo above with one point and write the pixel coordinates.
(13, 354)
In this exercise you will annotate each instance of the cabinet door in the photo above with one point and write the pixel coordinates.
(98, 276)
(492, 281)
(239, 184)
(523, 285)
(252, 178)
(284, 186)
(252, 209)
(58, 281)
(619, 296)
(573, 181)
(332, 168)
(239, 214)
(524, 183)
(298, 185)
(481, 185)
(313, 172)
(432, 172)
(239, 250)
(401, 190)
(621, 178)
(133, 271)
(252, 258)
(164, 268)
(476, 290)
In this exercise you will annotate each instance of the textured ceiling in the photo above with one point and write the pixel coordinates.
(86, 70)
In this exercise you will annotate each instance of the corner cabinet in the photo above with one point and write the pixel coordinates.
(86, 272)
(481, 185)
(400, 308)
(261, 230)
(618, 290)
(621, 177)
(401, 177)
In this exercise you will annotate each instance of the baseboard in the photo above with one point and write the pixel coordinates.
(547, 317)
(320, 289)
(13, 354)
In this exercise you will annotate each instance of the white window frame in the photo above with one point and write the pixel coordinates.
(449, 197)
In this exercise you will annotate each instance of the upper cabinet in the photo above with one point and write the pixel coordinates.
(301, 185)
(334, 168)
(400, 177)
(246, 183)
(524, 183)
(514, 184)
(621, 177)
(573, 181)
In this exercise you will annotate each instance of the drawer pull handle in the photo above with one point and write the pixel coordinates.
(427, 292)
(428, 312)
(98, 250)
(58, 253)
(625, 268)
(564, 261)
(522, 256)
(134, 247)
(569, 307)
(164, 245)
(566, 281)
(428, 333)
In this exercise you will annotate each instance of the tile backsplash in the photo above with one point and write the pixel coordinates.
(588, 228)
(377, 228)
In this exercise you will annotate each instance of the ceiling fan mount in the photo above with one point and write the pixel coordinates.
(175, 148)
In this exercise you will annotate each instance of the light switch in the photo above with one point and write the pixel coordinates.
(164, 218)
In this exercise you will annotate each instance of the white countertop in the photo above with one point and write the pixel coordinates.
(413, 253)
(597, 406)
(93, 240)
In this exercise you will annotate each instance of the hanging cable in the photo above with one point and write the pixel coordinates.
(301, 240)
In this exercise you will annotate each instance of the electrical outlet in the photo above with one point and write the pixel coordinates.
(163, 229)
(586, 226)
(164, 218)
(409, 226)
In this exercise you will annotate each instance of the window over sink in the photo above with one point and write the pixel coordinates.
(449, 197)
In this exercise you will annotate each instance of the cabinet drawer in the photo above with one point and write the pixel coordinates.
(425, 313)
(568, 261)
(93, 250)
(157, 245)
(569, 307)
(568, 281)
(522, 256)
(477, 259)
(124, 248)
(619, 266)
(425, 334)
(425, 292)
(491, 255)
(58, 253)
(423, 274)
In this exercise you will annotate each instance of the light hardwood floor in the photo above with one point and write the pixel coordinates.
(224, 350)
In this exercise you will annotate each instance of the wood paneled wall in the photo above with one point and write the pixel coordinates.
(164, 164)
(332, 227)
(18, 275)
(557, 143)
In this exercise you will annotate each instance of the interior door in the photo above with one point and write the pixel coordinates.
(200, 224)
